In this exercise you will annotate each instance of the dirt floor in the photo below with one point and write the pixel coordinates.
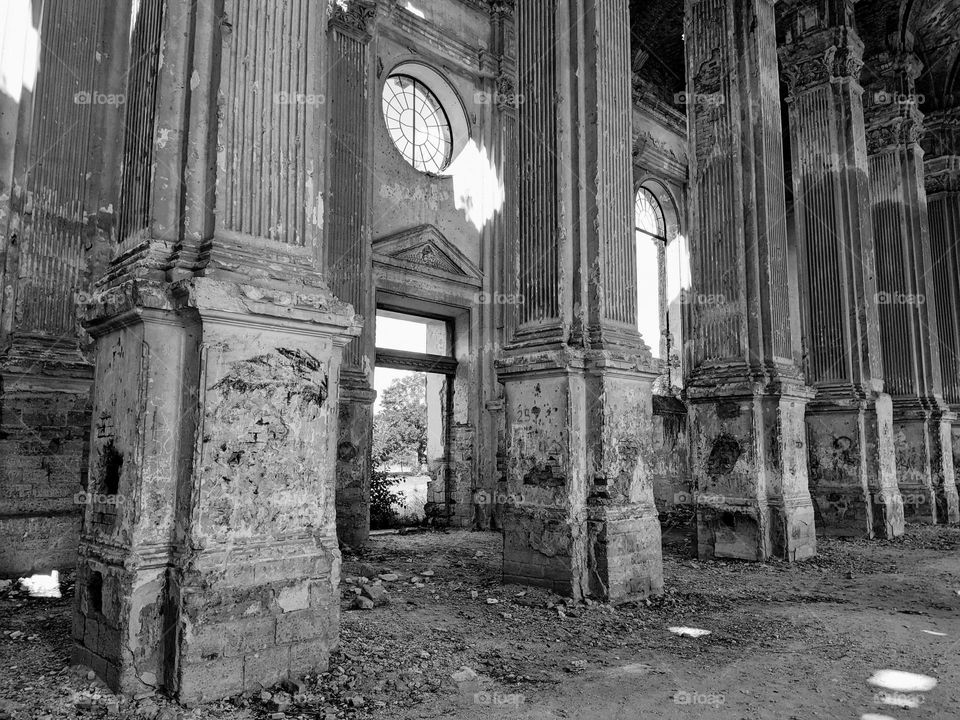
(787, 642)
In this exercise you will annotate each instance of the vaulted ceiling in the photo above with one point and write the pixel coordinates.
(931, 28)
(657, 43)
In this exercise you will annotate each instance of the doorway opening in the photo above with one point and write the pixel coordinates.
(414, 379)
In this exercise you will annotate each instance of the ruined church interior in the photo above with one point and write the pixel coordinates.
(479, 359)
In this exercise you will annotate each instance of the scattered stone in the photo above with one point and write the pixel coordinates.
(424, 655)
(148, 710)
(428, 573)
(16, 635)
(356, 701)
(91, 675)
(492, 601)
(376, 593)
(367, 571)
(389, 577)
(362, 603)
(266, 696)
(474, 594)
(464, 674)
(293, 686)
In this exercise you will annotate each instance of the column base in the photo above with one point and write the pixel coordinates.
(757, 533)
(580, 516)
(624, 552)
(925, 465)
(354, 461)
(750, 468)
(543, 547)
(853, 481)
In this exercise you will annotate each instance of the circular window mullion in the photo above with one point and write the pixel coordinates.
(417, 124)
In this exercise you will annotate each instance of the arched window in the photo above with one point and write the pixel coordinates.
(417, 123)
(651, 232)
(649, 215)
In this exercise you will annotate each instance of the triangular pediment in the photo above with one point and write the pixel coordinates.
(424, 249)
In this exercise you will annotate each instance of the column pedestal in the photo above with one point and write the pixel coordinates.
(211, 566)
(750, 461)
(925, 470)
(354, 459)
(581, 518)
(853, 474)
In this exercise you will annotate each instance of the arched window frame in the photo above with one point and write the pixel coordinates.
(671, 246)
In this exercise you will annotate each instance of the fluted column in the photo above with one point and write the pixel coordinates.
(852, 470)
(577, 378)
(906, 297)
(351, 46)
(747, 396)
(942, 171)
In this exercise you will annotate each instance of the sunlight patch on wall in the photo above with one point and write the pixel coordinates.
(477, 189)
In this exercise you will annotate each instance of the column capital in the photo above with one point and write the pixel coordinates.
(892, 127)
(942, 174)
(825, 56)
(943, 137)
(501, 10)
(355, 16)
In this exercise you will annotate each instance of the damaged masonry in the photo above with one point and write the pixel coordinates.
(374, 358)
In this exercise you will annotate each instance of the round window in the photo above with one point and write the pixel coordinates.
(417, 123)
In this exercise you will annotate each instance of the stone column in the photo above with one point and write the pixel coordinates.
(57, 109)
(852, 470)
(942, 170)
(906, 298)
(746, 394)
(350, 105)
(576, 375)
(209, 564)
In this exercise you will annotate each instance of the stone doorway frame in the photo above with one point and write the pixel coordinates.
(419, 272)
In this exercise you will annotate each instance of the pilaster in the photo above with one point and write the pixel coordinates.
(351, 44)
(942, 176)
(577, 377)
(852, 460)
(907, 299)
(747, 397)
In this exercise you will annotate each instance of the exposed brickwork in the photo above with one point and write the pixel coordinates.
(43, 446)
